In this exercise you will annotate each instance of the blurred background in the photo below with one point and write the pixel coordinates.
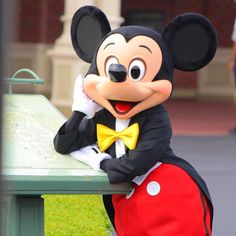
(203, 105)
(41, 42)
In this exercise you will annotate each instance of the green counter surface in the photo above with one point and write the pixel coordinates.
(30, 163)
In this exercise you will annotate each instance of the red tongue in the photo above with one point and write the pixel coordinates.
(123, 106)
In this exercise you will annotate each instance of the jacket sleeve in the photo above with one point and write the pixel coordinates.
(74, 134)
(152, 144)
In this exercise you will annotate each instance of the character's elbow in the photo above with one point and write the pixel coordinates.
(60, 150)
(59, 147)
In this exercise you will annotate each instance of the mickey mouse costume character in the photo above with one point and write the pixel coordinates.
(119, 126)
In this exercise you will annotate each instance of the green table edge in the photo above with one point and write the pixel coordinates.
(40, 185)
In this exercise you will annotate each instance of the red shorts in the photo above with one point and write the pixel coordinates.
(167, 203)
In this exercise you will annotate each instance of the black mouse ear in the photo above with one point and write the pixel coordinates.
(193, 41)
(89, 25)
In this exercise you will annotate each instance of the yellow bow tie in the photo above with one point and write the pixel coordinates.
(106, 136)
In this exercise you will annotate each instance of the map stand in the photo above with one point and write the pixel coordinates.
(31, 166)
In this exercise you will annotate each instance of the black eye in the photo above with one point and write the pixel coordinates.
(137, 70)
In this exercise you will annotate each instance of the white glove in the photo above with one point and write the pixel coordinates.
(91, 156)
(82, 102)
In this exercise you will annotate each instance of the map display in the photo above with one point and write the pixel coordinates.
(30, 123)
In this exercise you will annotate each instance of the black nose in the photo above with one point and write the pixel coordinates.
(117, 73)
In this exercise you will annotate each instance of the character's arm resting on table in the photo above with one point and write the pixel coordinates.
(71, 136)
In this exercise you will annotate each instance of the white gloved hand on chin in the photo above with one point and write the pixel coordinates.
(91, 156)
(82, 102)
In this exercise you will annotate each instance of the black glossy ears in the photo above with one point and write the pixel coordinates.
(89, 25)
(192, 39)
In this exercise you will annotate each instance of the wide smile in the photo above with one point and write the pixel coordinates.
(122, 107)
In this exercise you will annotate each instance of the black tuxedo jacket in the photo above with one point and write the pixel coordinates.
(153, 142)
(153, 145)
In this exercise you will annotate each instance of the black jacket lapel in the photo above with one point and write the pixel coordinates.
(140, 119)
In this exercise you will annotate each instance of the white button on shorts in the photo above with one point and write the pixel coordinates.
(153, 188)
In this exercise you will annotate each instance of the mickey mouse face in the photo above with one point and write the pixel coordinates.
(126, 70)
(132, 67)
